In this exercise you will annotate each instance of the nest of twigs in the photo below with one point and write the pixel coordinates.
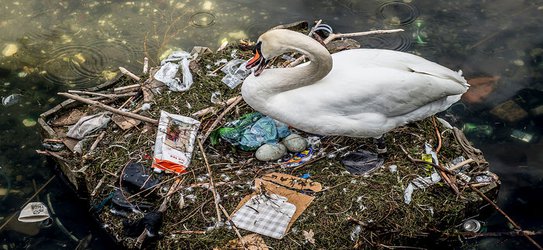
(374, 202)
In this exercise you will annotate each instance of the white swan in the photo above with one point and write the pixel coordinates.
(356, 93)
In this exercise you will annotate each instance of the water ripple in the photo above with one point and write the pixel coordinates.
(202, 19)
(398, 13)
(85, 65)
(396, 41)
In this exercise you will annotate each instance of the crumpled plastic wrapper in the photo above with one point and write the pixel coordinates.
(88, 124)
(167, 73)
(236, 72)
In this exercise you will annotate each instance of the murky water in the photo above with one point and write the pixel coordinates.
(50, 46)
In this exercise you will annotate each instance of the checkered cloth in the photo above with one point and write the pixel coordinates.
(267, 215)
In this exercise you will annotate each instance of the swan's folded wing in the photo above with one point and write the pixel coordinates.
(391, 59)
(390, 92)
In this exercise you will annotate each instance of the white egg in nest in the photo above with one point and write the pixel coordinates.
(270, 152)
(295, 143)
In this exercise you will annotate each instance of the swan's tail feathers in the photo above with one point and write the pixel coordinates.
(429, 109)
(434, 69)
(464, 82)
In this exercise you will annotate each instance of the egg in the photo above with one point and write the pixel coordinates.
(295, 143)
(270, 152)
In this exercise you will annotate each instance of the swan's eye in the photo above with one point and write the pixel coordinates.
(257, 47)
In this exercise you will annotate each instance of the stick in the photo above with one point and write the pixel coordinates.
(450, 182)
(212, 109)
(172, 189)
(365, 33)
(461, 164)
(129, 74)
(141, 238)
(517, 226)
(219, 118)
(233, 226)
(102, 179)
(496, 234)
(127, 88)
(109, 108)
(339, 35)
(53, 154)
(145, 65)
(162, 208)
(441, 170)
(188, 232)
(28, 200)
(425, 162)
(438, 134)
(89, 93)
(215, 198)
(400, 247)
(95, 143)
(110, 96)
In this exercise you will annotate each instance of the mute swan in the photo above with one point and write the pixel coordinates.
(356, 93)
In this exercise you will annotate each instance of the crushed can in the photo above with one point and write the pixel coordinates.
(479, 130)
(522, 136)
(472, 225)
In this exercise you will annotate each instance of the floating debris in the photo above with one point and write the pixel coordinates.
(11, 99)
(29, 122)
(10, 49)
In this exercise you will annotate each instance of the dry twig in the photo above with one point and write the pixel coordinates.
(109, 108)
(517, 226)
(213, 190)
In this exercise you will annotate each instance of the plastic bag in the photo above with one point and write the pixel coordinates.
(168, 71)
(251, 131)
(88, 124)
(236, 72)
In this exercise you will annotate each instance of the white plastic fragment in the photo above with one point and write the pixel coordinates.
(216, 97)
(236, 72)
(393, 168)
(34, 212)
(146, 106)
(356, 232)
(445, 123)
(11, 99)
(88, 124)
(420, 183)
(167, 73)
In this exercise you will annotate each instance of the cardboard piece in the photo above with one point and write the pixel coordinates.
(124, 122)
(69, 118)
(288, 186)
(509, 111)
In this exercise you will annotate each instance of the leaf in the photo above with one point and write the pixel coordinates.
(308, 236)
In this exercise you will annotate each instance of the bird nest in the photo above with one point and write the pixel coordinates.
(365, 211)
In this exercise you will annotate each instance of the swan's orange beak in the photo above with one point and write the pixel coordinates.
(257, 61)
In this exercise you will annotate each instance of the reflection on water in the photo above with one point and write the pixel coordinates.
(48, 46)
(398, 13)
(395, 41)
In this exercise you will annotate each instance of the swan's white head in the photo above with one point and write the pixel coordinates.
(270, 45)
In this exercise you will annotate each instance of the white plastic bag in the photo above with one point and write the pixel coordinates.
(168, 71)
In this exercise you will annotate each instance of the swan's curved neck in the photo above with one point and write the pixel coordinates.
(319, 66)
